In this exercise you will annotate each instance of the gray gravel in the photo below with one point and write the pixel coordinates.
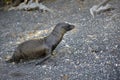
(89, 52)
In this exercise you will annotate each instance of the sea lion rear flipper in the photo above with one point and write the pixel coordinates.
(9, 60)
(13, 59)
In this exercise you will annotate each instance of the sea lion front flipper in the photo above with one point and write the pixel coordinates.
(48, 55)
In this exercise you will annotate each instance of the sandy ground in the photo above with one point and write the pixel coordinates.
(89, 52)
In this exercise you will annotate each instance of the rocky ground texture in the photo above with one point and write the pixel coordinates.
(89, 52)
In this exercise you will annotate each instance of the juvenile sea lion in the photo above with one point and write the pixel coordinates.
(36, 48)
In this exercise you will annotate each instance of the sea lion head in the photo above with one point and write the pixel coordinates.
(65, 26)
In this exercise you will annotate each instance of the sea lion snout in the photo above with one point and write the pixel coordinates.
(65, 26)
(71, 27)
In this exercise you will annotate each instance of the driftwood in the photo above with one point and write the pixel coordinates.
(31, 6)
(103, 6)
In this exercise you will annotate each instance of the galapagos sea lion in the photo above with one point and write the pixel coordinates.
(36, 48)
